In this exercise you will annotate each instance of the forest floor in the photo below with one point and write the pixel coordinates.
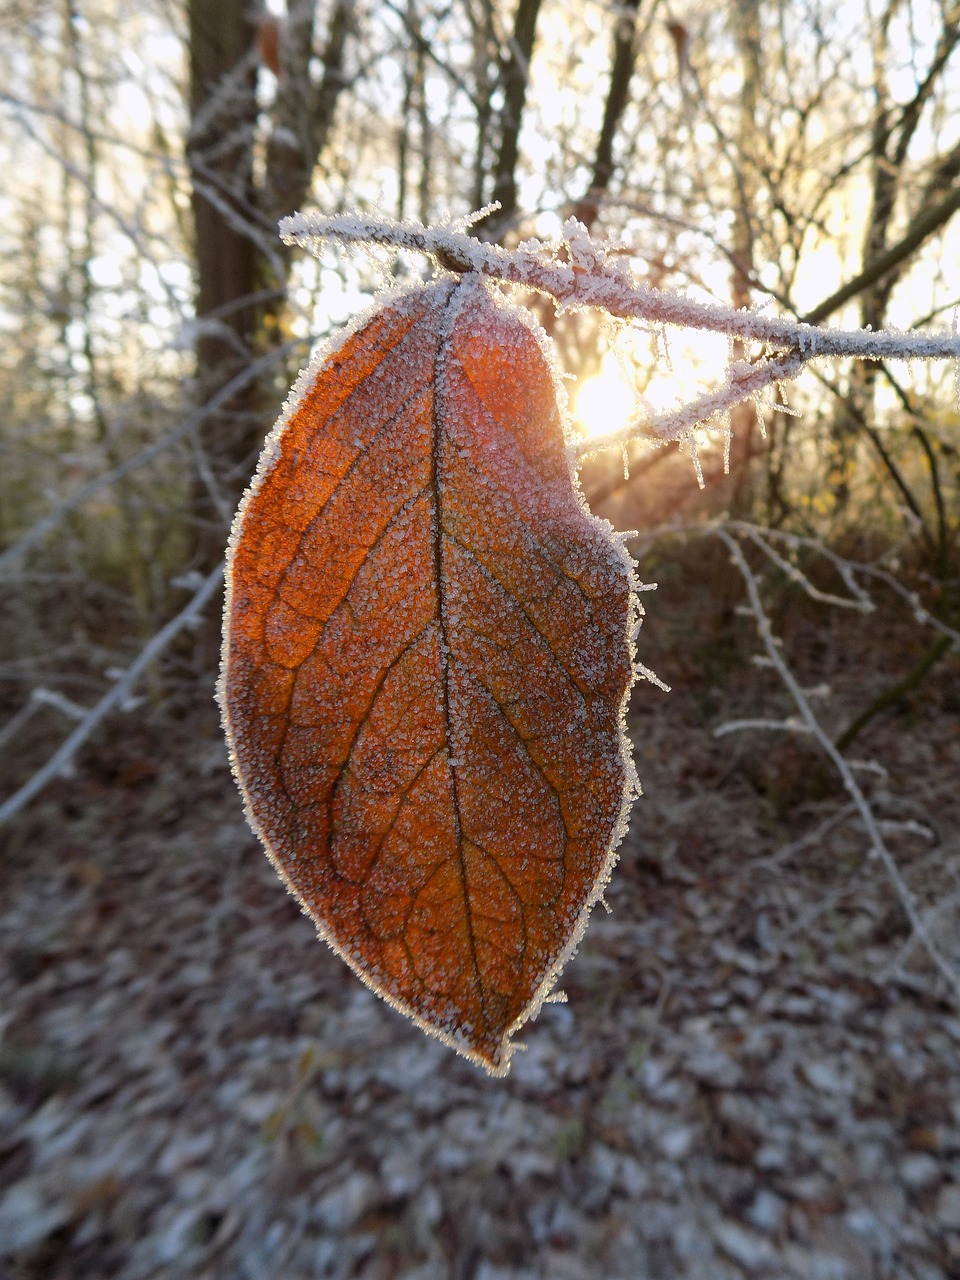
(757, 1073)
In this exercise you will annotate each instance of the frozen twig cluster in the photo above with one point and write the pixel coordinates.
(783, 547)
(806, 721)
(853, 575)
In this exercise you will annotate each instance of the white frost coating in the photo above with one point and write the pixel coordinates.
(581, 272)
(624, 563)
(616, 556)
(606, 283)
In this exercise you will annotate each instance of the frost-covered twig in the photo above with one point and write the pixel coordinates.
(743, 381)
(579, 272)
(113, 698)
(921, 615)
(846, 569)
(849, 571)
(878, 846)
(859, 599)
(790, 725)
(582, 272)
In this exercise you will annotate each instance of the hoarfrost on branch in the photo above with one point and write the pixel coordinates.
(579, 272)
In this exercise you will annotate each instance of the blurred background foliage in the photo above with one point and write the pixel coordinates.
(802, 156)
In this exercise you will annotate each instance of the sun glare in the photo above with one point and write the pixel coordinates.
(604, 402)
(640, 369)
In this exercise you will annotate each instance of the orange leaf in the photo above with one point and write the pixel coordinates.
(426, 655)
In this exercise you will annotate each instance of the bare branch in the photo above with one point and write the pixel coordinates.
(878, 846)
(581, 272)
(113, 698)
(44, 526)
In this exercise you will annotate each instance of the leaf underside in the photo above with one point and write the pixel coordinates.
(426, 656)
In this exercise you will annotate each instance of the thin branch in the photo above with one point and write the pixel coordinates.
(776, 726)
(842, 766)
(581, 272)
(846, 569)
(46, 524)
(514, 75)
(618, 94)
(113, 698)
(921, 614)
(859, 600)
(924, 225)
(743, 381)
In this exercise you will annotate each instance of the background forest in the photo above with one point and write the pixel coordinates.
(757, 1071)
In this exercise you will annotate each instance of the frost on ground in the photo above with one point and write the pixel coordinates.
(756, 1074)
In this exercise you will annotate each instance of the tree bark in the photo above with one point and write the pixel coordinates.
(223, 113)
(743, 418)
(618, 94)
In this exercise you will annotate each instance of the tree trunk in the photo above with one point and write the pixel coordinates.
(223, 112)
(514, 77)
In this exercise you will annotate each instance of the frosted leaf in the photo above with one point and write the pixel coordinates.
(426, 660)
